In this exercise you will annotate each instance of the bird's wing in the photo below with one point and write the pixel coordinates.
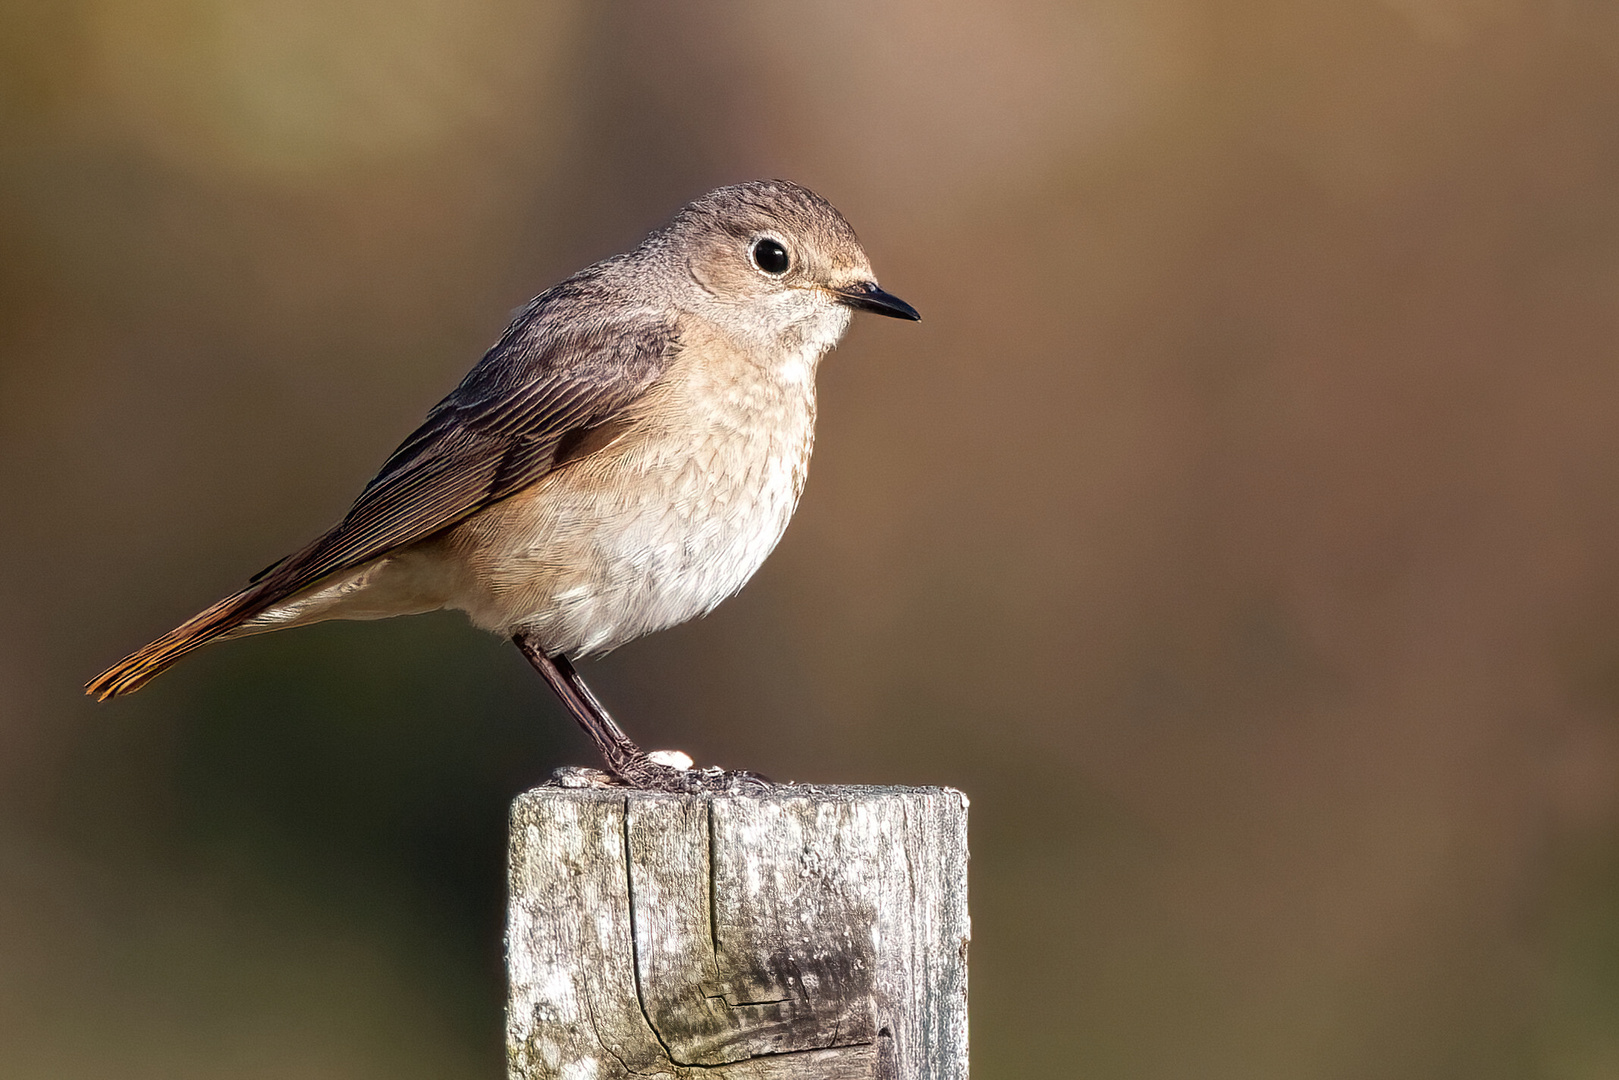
(560, 367)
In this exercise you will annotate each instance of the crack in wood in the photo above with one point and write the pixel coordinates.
(713, 907)
(635, 945)
(595, 1029)
(728, 1003)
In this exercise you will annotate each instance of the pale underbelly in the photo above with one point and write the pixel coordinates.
(591, 558)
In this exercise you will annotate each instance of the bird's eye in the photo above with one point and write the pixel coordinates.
(771, 257)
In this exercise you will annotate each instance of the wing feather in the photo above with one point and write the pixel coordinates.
(572, 360)
(560, 366)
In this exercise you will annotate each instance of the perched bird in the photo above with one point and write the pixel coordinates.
(621, 461)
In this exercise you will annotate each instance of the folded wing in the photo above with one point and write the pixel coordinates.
(561, 366)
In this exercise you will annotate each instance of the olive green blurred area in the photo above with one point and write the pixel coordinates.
(1240, 529)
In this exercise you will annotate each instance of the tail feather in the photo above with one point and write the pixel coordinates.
(268, 588)
(147, 663)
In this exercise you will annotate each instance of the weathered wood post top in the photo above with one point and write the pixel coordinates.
(807, 932)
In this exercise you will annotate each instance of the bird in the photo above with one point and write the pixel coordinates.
(621, 460)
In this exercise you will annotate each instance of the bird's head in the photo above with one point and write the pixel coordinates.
(774, 260)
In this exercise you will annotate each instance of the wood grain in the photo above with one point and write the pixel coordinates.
(812, 932)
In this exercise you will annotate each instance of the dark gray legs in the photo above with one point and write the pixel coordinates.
(626, 762)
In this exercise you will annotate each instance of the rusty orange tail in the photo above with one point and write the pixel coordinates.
(147, 663)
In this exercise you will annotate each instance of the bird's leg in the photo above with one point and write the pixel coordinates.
(627, 762)
(615, 747)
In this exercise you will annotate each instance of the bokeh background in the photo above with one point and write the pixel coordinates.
(1240, 529)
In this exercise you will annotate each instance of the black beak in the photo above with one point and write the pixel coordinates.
(866, 296)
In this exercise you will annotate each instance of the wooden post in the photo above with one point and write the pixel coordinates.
(810, 933)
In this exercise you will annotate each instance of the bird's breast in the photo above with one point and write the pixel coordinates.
(660, 526)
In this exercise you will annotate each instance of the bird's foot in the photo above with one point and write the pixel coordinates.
(663, 770)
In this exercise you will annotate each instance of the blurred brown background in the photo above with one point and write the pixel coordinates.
(1239, 530)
